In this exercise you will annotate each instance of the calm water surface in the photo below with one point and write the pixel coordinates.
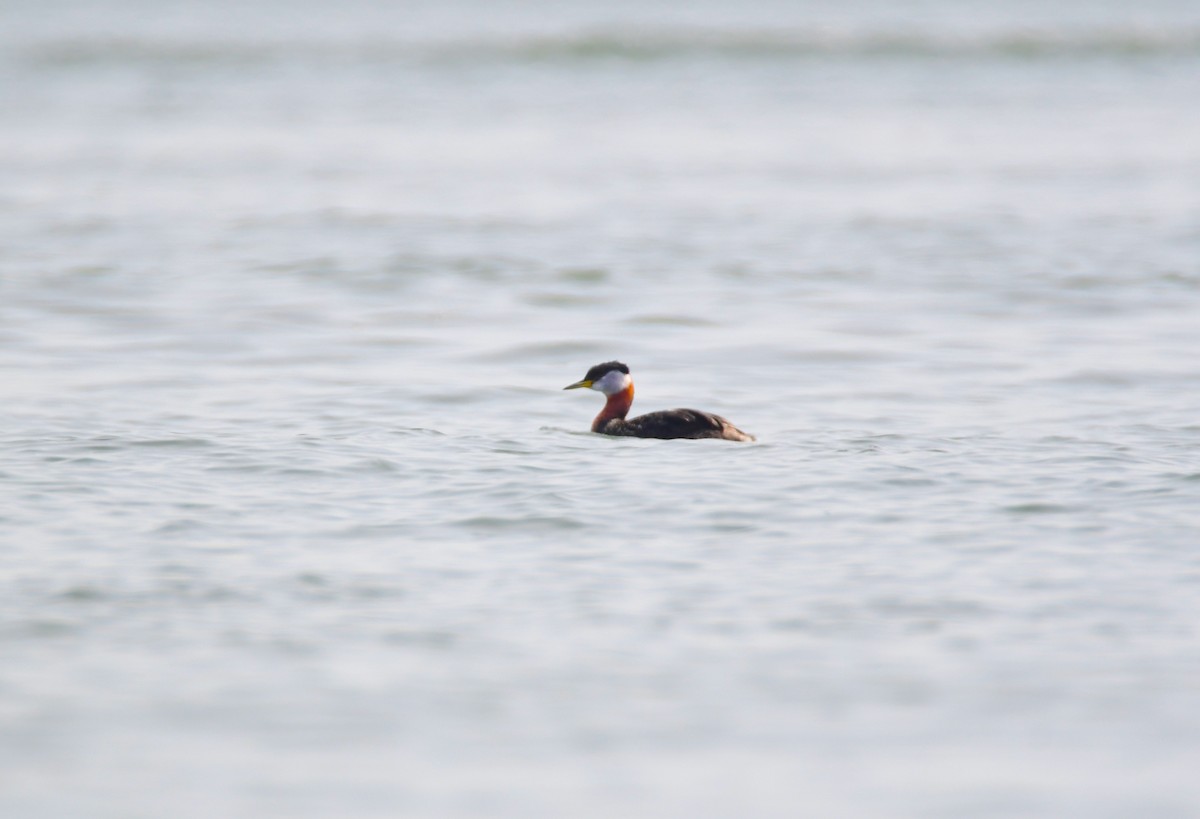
(295, 518)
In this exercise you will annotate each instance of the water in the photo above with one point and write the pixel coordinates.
(296, 520)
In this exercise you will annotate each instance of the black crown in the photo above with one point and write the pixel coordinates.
(601, 370)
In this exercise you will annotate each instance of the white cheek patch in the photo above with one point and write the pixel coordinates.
(613, 382)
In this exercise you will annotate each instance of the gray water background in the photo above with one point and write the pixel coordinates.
(296, 521)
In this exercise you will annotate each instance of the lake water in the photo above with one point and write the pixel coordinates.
(295, 517)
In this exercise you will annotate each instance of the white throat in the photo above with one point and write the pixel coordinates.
(612, 383)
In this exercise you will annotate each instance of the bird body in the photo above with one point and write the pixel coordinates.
(612, 379)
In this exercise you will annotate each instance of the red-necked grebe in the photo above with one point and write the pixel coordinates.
(612, 379)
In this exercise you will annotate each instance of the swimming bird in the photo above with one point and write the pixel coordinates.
(612, 379)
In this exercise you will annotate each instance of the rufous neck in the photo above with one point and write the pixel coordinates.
(617, 406)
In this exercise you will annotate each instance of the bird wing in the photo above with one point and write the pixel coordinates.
(678, 423)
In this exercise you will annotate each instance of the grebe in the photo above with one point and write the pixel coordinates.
(612, 379)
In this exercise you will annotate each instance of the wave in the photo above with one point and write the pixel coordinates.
(752, 44)
(638, 46)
